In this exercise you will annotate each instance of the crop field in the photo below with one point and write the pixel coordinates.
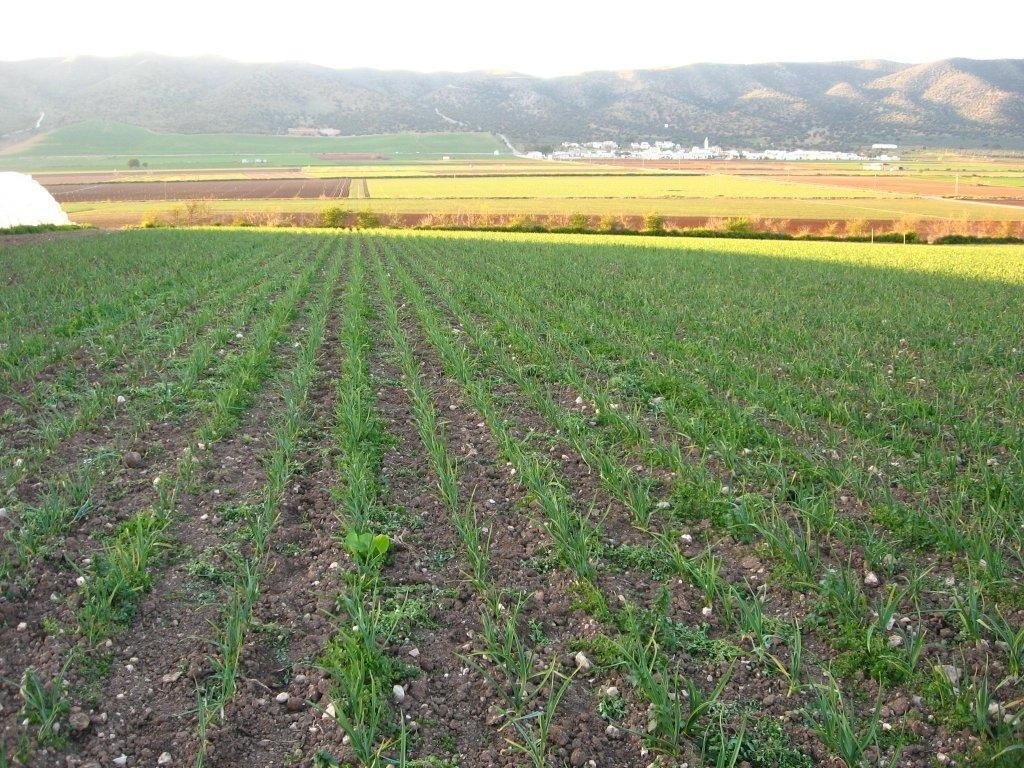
(288, 498)
(238, 189)
(103, 146)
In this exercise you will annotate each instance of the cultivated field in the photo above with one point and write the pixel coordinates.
(281, 498)
(104, 146)
(238, 189)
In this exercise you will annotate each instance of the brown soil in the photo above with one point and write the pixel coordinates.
(248, 189)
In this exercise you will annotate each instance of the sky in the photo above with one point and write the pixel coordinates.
(537, 38)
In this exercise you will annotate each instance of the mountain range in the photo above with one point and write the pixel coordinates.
(955, 102)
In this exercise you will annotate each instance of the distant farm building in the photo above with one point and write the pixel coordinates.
(24, 202)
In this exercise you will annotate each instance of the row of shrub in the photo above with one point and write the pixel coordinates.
(857, 230)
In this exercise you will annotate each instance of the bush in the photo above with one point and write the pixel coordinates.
(578, 222)
(654, 224)
(333, 217)
(367, 220)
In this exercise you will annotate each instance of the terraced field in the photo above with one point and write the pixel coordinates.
(276, 498)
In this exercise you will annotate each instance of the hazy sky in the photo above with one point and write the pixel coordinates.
(541, 38)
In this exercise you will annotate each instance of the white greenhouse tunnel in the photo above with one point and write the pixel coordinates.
(25, 202)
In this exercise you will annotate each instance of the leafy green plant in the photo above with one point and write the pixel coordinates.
(368, 549)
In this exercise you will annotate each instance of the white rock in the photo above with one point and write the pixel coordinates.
(611, 691)
(415, 652)
(164, 759)
(663, 505)
(121, 400)
(398, 694)
(952, 673)
(282, 697)
(706, 610)
(895, 641)
(121, 759)
(22, 626)
(686, 538)
(329, 712)
(582, 662)
(870, 579)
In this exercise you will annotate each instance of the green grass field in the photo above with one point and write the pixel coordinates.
(104, 146)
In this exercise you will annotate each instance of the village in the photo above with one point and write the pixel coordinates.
(669, 150)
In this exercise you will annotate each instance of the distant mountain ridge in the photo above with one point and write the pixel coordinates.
(838, 105)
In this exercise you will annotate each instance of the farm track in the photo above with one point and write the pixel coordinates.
(158, 616)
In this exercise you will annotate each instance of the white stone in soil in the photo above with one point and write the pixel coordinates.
(164, 759)
(398, 694)
(282, 697)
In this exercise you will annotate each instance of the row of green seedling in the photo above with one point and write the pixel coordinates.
(214, 694)
(576, 539)
(66, 497)
(361, 673)
(531, 693)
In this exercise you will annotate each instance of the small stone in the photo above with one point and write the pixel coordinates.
(121, 760)
(171, 677)
(899, 706)
(282, 697)
(612, 732)
(577, 759)
(415, 652)
(943, 758)
(870, 579)
(895, 641)
(121, 400)
(611, 691)
(398, 694)
(706, 611)
(79, 721)
(686, 538)
(951, 673)
(582, 662)
(663, 505)
(22, 626)
(294, 704)
(329, 712)
(133, 460)
(164, 759)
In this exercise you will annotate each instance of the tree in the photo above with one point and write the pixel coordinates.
(134, 163)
